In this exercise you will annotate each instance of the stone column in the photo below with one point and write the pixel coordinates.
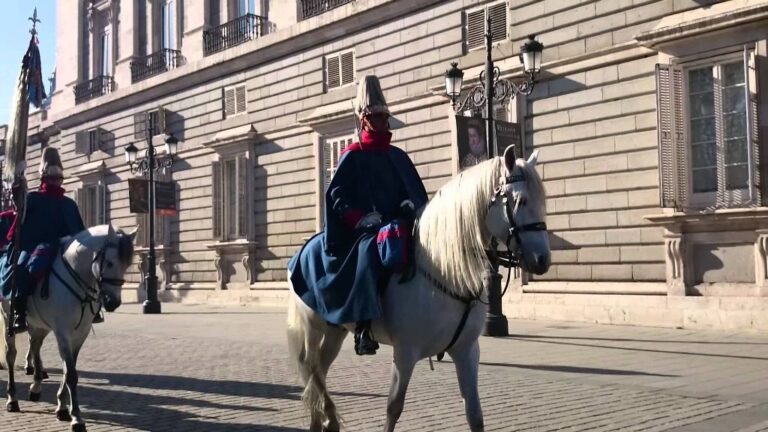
(676, 263)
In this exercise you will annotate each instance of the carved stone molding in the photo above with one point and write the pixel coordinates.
(234, 262)
(163, 266)
(675, 258)
(761, 262)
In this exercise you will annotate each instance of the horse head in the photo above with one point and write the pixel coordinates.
(110, 263)
(516, 216)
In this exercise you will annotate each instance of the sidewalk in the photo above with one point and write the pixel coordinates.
(225, 369)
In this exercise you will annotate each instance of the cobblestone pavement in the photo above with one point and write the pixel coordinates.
(224, 369)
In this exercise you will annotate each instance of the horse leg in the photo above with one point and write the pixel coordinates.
(329, 350)
(12, 405)
(402, 369)
(29, 368)
(68, 354)
(36, 338)
(466, 363)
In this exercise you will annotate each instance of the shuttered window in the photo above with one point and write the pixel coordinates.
(143, 120)
(475, 25)
(339, 70)
(332, 149)
(91, 199)
(230, 198)
(235, 101)
(708, 147)
(90, 141)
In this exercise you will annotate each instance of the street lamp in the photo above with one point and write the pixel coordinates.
(493, 88)
(150, 163)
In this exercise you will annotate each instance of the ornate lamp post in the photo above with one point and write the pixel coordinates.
(148, 164)
(493, 88)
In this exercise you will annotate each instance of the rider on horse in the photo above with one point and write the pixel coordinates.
(50, 215)
(339, 273)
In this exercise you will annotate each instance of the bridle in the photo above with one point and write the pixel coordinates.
(510, 258)
(87, 293)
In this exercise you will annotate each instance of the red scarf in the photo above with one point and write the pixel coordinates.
(52, 191)
(371, 141)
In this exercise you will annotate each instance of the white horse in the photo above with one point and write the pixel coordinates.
(501, 198)
(88, 269)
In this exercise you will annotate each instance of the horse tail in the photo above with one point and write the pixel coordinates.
(305, 347)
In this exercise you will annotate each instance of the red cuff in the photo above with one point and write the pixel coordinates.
(352, 216)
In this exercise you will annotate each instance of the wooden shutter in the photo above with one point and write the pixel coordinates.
(242, 196)
(81, 142)
(101, 203)
(673, 162)
(498, 14)
(475, 29)
(753, 116)
(333, 72)
(160, 127)
(240, 100)
(230, 107)
(217, 194)
(347, 68)
(140, 125)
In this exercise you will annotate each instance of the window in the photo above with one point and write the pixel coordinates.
(230, 204)
(332, 150)
(169, 24)
(89, 141)
(707, 132)
(92, 200)
(215, 12)
(162, 222)
(155, 118)
(234, 100)
(475, 21)
(246, 7)
(85, 46)
(106, 51)
(339, 70)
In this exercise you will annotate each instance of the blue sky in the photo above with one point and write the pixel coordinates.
(14, 37)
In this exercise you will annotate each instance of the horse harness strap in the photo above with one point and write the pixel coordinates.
(469, 303)
(90, 296)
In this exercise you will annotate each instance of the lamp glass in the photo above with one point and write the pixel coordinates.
(130, 153)
(171, 145)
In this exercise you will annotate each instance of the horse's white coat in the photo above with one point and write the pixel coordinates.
(418, 320)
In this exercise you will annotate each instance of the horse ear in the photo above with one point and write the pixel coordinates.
(509, 158)
(133, 233)
(534, 158)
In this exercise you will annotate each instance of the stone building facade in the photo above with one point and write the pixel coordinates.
(258, 93)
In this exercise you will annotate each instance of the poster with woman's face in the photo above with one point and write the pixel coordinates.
(473, 147)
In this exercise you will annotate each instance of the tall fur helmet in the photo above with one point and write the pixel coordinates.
(50, 163)
(370, 99)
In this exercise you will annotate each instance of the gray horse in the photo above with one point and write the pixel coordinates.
(501, 198)
(89, 269)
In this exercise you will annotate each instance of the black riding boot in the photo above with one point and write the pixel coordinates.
(99, 317)
(364, 343)
(19, 314)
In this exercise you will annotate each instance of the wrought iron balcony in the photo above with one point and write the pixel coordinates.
(155, 64)
(310, 8)
(93, 88)
(233, 33)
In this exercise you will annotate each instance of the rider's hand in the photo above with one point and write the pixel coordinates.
(372, 219)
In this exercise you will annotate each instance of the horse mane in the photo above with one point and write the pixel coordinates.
(452, 238)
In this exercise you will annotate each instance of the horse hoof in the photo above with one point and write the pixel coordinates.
(34, 397)
(45, 375)
(63, 415)
(29, 370)
(12, 406)
(79, 427)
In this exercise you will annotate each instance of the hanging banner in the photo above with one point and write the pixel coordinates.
(165, 197)
(473, 146)
(508, 134)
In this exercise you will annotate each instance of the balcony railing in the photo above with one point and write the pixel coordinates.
(93, 88)
(310, 8)
(155, 64)
(233, 33)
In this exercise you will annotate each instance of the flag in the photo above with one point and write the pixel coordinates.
(35, 86)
